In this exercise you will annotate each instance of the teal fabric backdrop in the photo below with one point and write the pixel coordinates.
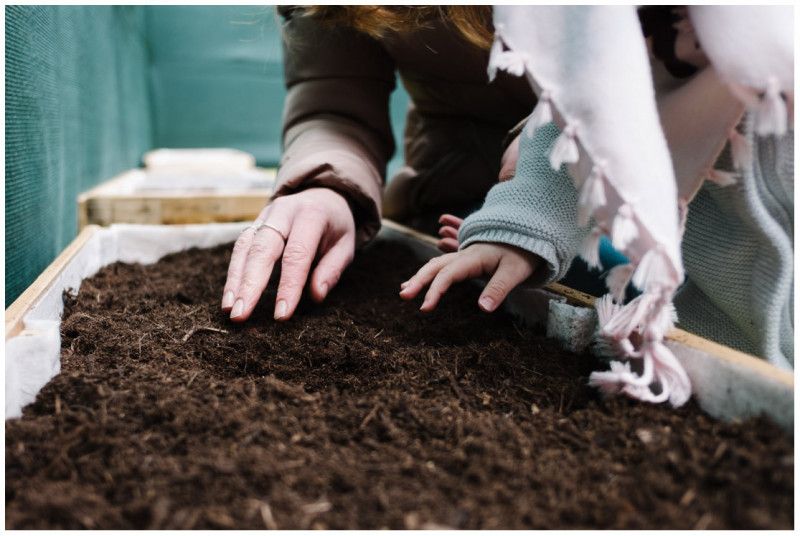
(217, 79)
(76, 114)
(90, 89)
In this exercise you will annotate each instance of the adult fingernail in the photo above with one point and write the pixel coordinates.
(486, 303)
(280, 309)
(323, 289)
(227, 299)
(404, 284)
(238, 308)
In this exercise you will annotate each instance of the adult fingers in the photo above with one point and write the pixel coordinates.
(330, 267)
(452, 221)
(424, 275)
(265, 249)
(239, 260)
(510, 273)
(299, 253)
(464, 267)
(447, 245)
(236, 267)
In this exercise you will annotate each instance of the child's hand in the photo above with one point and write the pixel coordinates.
(451, 224)
(449, 233)
(508, 266)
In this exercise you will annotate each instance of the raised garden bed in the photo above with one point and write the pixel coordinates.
(360, 413)
(180, 186)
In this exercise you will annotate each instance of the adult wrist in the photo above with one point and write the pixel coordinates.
(362, 209)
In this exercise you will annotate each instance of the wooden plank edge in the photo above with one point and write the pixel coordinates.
(735, 357)
(720, 351)
(110, 184)
(149, 195)
(16, 312)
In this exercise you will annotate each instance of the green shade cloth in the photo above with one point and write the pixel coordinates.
(216, 77)
(76, 103)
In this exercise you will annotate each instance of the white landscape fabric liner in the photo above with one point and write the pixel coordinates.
(725, 389)
(141, 181)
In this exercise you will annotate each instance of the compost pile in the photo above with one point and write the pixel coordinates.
(359, 413)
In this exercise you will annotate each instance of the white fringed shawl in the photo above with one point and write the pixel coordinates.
(589, 66)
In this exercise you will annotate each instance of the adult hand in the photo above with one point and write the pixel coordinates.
(314, 223)
(508, 266)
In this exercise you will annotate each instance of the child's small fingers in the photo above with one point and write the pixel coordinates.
(507, 276)
(459, 270)
(438, 287)
(447, 231)
(448, 245)
(452, 221)
(424, 275)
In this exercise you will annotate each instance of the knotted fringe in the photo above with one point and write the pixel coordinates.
(592, 195)
(722, 178)
(620, 379)
(654, 271)
(606, 308)
(665, 321)
(651, 314)
(610, 382)
(741, 152)
(514, 63)
(771, 114)
(629, 318)
(542, 114)
(623, 230)
(617, 281)
(675, 383)
(660, 367)
(590, 249)
(494, 58)
(565, 149)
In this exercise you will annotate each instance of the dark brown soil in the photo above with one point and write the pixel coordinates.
(360, 413)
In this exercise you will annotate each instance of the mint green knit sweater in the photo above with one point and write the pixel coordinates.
(737, 250)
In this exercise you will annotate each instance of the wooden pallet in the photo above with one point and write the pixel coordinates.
(727, 383)
(115, 201)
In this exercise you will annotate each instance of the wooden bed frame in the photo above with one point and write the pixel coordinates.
(111, 202)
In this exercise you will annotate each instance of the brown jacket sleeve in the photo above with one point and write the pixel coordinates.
(336, 127)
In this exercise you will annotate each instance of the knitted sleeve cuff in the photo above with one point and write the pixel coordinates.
(554, 266)
(534, 211)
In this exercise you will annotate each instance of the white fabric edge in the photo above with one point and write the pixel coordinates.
(33, 357)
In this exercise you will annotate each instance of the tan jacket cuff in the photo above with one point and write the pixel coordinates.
(341, 169)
